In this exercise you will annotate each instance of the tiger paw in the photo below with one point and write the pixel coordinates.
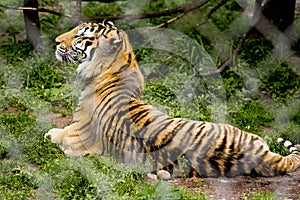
(56, 135)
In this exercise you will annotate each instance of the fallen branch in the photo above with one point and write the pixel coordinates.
(230, 60)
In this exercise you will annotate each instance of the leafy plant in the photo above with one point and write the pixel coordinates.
(282, 83)
(254, 51)
(14, 51)
(250, 117)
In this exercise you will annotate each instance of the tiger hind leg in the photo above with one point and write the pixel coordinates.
(275, 164)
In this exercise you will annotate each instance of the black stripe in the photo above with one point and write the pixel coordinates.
(116, 101)
(92, 53)
(250, 144)
(222, 146)
(192, 127)
(121, 93)
(259, 149)
(86, 81)
(147, 122)
(141, 116)
(108, 85)
(153, 137)
(167, 137)
(216, 159)
(199, 138)
(209, 139)
(200, 131)
(117, 132)
(107, 31)
(122, 138)
(155, 118)
(129, 58)
(121, 69)
(215, 166)
(87, 124)
(107, 106)
(278, 160)
(134, 104)
(108, 125)
(241, 134)
(295, 151)
(231, 158)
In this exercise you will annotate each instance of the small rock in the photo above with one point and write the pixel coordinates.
(152, 176)
(164, 175)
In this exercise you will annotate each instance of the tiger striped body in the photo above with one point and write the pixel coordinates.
(112, 120)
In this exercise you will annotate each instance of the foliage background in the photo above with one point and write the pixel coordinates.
(261, 90)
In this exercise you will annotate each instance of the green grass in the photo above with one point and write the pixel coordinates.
(260, 195)
(257, 91)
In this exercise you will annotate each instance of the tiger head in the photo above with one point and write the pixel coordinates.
(80, 43)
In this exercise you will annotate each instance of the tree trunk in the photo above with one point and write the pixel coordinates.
(276, 13)
(32, 24)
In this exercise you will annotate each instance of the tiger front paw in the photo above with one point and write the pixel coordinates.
(56, 135)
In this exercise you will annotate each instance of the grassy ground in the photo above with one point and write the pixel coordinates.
(259, 93)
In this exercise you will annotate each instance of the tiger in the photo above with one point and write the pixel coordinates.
(111, 119)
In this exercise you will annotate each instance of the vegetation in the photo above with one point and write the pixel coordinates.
(259, 90)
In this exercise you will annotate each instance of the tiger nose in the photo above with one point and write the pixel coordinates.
(62, 43)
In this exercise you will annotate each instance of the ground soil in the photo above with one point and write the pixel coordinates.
(284, 187)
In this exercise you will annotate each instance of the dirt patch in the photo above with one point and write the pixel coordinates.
(57, 119)
(243, 187)
(10, 110)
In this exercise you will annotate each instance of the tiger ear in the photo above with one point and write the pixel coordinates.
(108, 23)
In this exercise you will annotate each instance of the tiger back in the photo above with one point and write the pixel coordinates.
(112, 120)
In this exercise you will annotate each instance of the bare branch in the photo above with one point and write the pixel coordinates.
(170, 21)
(103, 1)
(211, 11)
(17, 8)
(39, 10)
(185, 8)
(230, 60)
